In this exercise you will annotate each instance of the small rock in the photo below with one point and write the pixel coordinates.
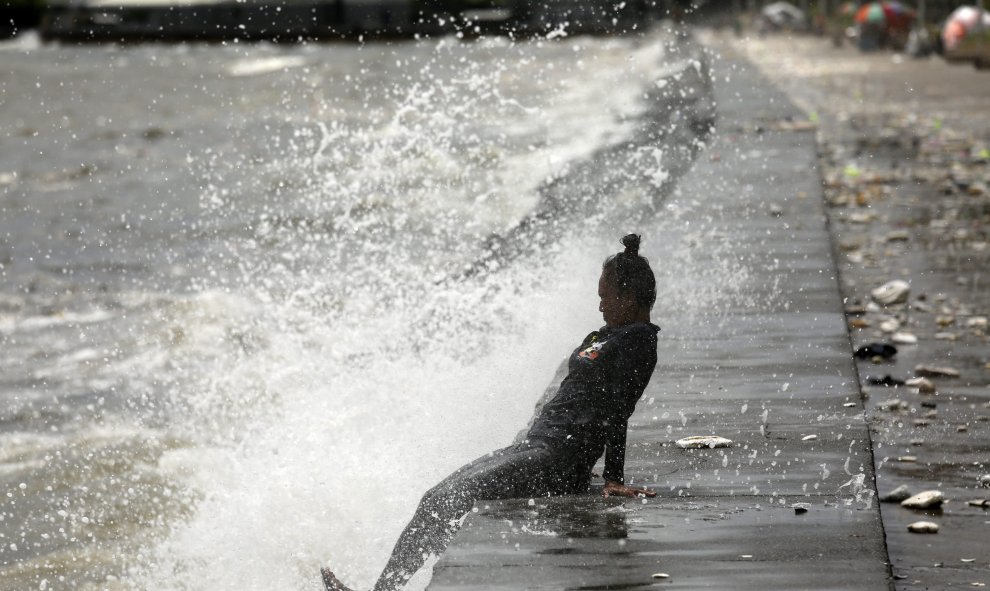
(860, 217)
(809, 438)
(985, 480)
(745, 556)
(945, 320)
(917, 442)
(871, 350)
(924, 500)
(859, 323)
(800, 508)
(931, 371)
(898, 236)
(921, 306)
(962, 429)
(702, 441)
(945, 336)
(921, 423)
(661, 576)
(776, 211)
(928, 404)
(924, 385)
(892, 292)
(907, 459)
(904, 338)
(977, 322)
(892, 404)
(901, 493)
(890, 325)
(923, 527)
(849, 404)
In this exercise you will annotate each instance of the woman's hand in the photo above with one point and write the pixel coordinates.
(621, 490)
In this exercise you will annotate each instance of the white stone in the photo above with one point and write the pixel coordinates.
(892, 292)
(924, 385)
(904, 338)
(809, 438)
(700, 441)
(923, 527)
(897, 495)
(924, 500)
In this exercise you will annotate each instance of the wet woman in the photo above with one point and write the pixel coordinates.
(587, 416)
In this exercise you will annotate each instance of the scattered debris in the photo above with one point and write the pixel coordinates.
(923, 527)
(899, 494)
(904, 338)
(892, 292)
(887, 380)
(930, 371)
(924, 385)
(701, 441)
(872, 350)
(892, 404)
(924, 500)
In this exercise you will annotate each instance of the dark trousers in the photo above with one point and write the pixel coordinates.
(529, 469)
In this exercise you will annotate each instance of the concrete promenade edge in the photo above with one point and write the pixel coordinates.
(773, 372)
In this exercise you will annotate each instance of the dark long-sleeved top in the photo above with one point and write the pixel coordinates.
(606, 376)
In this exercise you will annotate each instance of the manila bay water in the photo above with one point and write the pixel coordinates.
(256, 299)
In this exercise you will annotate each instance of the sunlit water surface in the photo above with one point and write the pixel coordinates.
(237, 342)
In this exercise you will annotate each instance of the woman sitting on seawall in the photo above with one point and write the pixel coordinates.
(588, 416)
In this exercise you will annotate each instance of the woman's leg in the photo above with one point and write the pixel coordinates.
(517, 471)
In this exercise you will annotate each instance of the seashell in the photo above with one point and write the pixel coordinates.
(849, 404)
(924, 500)
(701, 441)
(921, 306)
(967, 560)
(907, 459)
(892, 292)
(890, 325)
(898, 236)
(923, 527)
(661, 576)
(924, 385)
(861, 217)
(809, 438)
(904, 338)
(897, 495)
(930, 371)
(945, 336)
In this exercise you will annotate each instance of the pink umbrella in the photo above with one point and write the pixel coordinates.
(963, 20)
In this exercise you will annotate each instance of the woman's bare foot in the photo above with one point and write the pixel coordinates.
(331, 582)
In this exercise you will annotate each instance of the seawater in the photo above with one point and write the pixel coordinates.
(243, 321)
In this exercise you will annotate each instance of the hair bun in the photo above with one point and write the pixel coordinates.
(631, 242)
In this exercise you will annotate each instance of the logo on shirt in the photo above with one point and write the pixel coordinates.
(592, 352)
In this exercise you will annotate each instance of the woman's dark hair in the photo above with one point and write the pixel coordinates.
(631, 273)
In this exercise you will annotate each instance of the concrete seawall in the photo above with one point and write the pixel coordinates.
(774, 374)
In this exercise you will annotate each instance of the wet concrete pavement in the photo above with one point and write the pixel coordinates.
(771, 370)
(903, 149)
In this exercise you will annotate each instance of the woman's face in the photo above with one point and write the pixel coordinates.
(617, 309)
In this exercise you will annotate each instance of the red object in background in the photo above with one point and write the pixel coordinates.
(963, 20)
(890, 15)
